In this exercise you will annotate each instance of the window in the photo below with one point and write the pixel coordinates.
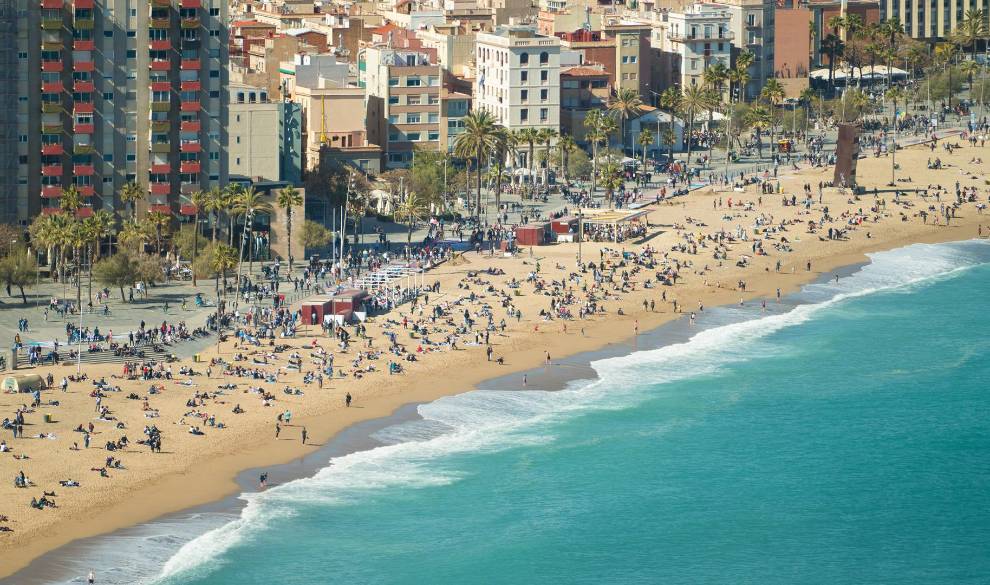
(214, 156)
(433, 118)
(108, 33)
(393, 81)
(694, 64)
(524, 76)
(413, 100)
(412, 82)
(412, 136)
(544, 94)
(524, 115)
(131, 34)
(108, 96)
(238, 140)
(215, 94)
(412, 118)
(544, 75)
(131, 157)
(393, 100)
(22, 55)
(133, 12)
(524, 95)
(544, 114)
(237, 160)
(433, 135)
(108, 158)
(215, 32)
(131, 54)
(393, 119)
(544, 58)
(524, 59)
(393, 136)
(214, 12)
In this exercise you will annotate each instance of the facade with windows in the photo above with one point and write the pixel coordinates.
(116, 92)
(518, 77)
(693, 40)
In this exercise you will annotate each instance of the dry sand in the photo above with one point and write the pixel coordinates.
(196, 469)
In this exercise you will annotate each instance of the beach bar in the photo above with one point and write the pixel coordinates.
(565, 229)
(532, 234)
(614, 220)
(347, 302)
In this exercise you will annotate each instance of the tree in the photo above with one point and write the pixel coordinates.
(546, 137)
(215, 202)
(971, 30)
(566, 146)
(250, 203)
(740, 74)
(773, 94)
(645, 140)
(135, 232)
(187, 240)
(118, 271)
(71, 200)
(414, 208)
(895, 95)
(832, 46)
(479, 139)
(224, 259)
(758, 117)
(130, 194)
(529, 137)
(19, 269)
(160, 223)
(695, 100)
(611, 179)
(625, 105)
(314, 236)
(594, 121)
(288, 199)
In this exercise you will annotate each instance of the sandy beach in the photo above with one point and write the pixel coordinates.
(194, 469)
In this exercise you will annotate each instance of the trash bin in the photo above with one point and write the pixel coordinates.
(196, 357)
(48, 418)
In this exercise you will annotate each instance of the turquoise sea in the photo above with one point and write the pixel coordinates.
(841, 439)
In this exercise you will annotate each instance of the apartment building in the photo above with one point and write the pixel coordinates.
(403, 90)
(454, 107)
(117, 92)
(9, 70)
(265, 135)
(518, 77)
(692, 40)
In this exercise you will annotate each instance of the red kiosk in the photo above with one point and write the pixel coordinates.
(313, 310)
(532, 234)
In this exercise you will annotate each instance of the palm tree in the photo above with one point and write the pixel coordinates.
(758, 117)
(71, 200)
(971, 30)
(160, 222)
(598, 124)
(625, 105)
(715, 76)
(503, 143)
(670, 101)
(288, 199)
(611, 179)
(104, 224)
(529, 137)
(135, 232)
(945, 54)
(130, 194)
(416, 207)
(740, 74)
(545, 137)
(895, 95)
(224, 258)
(249, 203)
(645, 140)
(230, 196)
(696, 99)
(970, 68)
(832, 46)
(773, 94)
(893, 31)
(213, 204)
(200, 201)
(566, 145)
(479, 140)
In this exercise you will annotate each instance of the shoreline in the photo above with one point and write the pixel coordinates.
(207, 468)
(339, 438)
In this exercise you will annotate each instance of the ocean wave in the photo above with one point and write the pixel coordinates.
(486, 421)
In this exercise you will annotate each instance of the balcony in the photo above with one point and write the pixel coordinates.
(83, 4)
(190, 65)
(189, 188)
(160, 45)
(84, 66)
(191, 147)
(84, 87)
(51, 4)
(82, 108)
(190, 106)
(52, 66)
(51, 107)
(51, 128)
(161, 106)
(161, 3)
(51, 170)
(86, 23)
(190, 3)
(162, 169)
(51, 24)
(84, 128)
(52, 45)
(86, 191)
(160, 188)
(55, 149)
(83, 45)
(83, 149)
(160, 65)
(51, 210)
(167, 210)
(51, 191)
(161, 86)
(753, 25)
(161, 127)
(83, 170)
(159, 23)
(684, 37)
(190, 23)
(161, 147)
(193, 126)
(52, 87)
(190, 86)
(192, 167)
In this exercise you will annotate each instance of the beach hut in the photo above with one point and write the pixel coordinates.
(565, 229)
(25, 383)
(349, 301)
(314, 309)
(532, 234)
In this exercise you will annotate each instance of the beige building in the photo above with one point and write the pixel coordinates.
(253, 133)
(335, 116)
(455, 49)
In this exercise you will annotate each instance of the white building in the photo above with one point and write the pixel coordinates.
(695, 39)
(518, 77)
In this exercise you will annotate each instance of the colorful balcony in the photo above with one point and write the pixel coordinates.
(161, 169)
(159, 23)
(83, 149)
(84, 23)
(54, 149)
(161, 147)
(160, 65)
(191, 126)
(190, 85)
(52, 66)
(83, 4)
(188, 188)
(190, 166)
(51, 24)
(191, 147)
(51, 128)
(160, 45)
(83, 170)
(187, 209)
(190, 23)
(84, 211)
(190, 65)
(84, 66)
(52, 4)
(161, 127)
(51, 107)
(190, 106)
(52, 45)
(82, 108)
(167, 210)
(161, 106)
(160, 188)
(190, 3)
(84, 86)
(51, 191)
(161, 86)
(52, 87)
(86, 190)
(51, 210)
(84, 128)
(161, 3)
(83, 45)
(51, 170)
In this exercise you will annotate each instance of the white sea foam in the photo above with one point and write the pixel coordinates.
(414, 452)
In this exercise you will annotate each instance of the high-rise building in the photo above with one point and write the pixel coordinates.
(8, 111)
(115, 92)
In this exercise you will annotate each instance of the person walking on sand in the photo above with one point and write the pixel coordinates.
(548, 358)
(91, 578)
(304, 435)
(263, 480)
(347, 400)
(278, 429)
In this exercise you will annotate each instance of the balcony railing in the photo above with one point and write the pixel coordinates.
(191, 146)
(84, 87)
(51, 191)
(51, 107)
(83, 170)
(51, 170)
(52, 66)
(161, 127)
(160, 65)
(190, 86)
(82, 107)
(84, 128)
(681, 37)
(83, 45)
(83, 4)
(51, 128)
(160, 45)
(161, 86)
(85, 191)
(188, 23)
(190, 106)
(161, 106)
(79, 149)
(161, 147)
(190, 64)
(84, 66)
(52, 87)
(52, 45)
(191, 3)
(193, 126)
(52, 149)
(190, 167)
(161, 169)
(159, 23)
(52, 4)
(161, 3)
(51, 24)
(160, 188)
(85, 23)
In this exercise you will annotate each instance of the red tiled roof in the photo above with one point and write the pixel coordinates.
(385, 29)
(250, 24)
(583, 72)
